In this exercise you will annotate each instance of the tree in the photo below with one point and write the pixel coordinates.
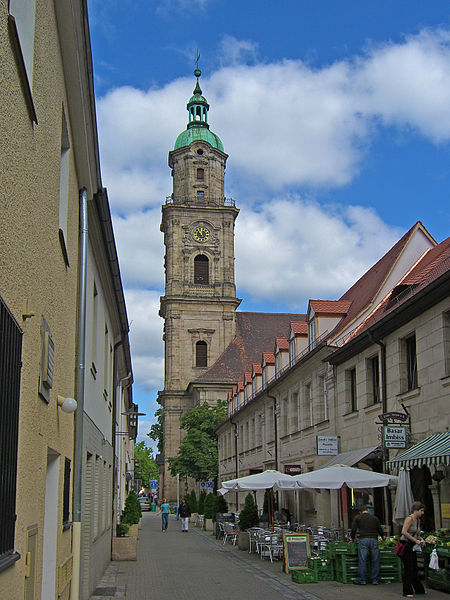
(198, 456)
(157, 430)
(145, 467)
(248, 517)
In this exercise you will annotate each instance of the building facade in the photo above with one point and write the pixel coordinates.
(381, 349)
(199, 303)
(55, 240)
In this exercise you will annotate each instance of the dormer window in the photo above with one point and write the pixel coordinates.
(312, 333)
(292, 351)
(277, 363)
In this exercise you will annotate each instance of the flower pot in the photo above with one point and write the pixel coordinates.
(243, 543)
(209, 525)
(133, 531)
(124, 548)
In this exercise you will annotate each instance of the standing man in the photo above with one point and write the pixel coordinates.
(369, 528)
(185, 512)
(164, 512)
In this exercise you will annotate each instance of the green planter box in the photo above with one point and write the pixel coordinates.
(303, 576)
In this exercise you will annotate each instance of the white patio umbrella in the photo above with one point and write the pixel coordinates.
(336, 476)
(404, 497)
(267, 480)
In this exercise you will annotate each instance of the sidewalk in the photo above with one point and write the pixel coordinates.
(195, 566)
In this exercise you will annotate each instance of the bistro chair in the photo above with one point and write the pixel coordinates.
(230, 533)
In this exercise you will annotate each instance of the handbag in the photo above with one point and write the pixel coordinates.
(399, 548)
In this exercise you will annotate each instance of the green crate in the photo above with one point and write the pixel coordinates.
(346, 577)
(337, 548)
(387, 553)
(390, 578)
(439, 585)
(303, 576)
(344, 561)
(443, 550)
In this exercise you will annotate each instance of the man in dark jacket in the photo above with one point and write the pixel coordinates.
(369, 528)
(184, 513)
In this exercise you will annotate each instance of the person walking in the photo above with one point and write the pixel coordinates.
(164, 512)
(369, 528)
(185, 512)
(410, 537)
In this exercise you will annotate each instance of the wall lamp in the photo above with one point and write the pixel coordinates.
(67, 405)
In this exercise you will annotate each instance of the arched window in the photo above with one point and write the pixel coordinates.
(201, 269)
(201, 354)
(200, 173)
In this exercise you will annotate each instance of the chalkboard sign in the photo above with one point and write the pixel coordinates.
(296, 550)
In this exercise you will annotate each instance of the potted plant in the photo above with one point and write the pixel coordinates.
(192, 501)
(210, 513)
(124, 543)
(201, 503)
(248, 517)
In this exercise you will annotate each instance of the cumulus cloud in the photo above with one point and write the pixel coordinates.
(310, 251)
(145, 337)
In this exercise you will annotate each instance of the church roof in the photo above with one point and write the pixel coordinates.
(254, 333)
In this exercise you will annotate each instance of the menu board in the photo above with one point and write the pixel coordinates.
(296, 551)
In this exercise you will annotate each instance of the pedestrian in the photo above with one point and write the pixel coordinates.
(410, 537)
(369, 528)
(185, 512)
(164, 512)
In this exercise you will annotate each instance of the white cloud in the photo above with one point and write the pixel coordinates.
(309, 251)
(236, 52)
(145, 337)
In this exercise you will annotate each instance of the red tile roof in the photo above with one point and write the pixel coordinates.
(299, 327)
(254, 333)
(257, 368)
(364, 290)
(248, 377)
(334, 307)
(282, 343)
(241, 386)
(268, 358)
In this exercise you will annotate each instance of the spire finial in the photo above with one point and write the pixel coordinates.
(197, 71)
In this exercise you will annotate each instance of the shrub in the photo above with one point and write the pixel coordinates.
(221, 504)
(248, 517)
(122, 529)
(132, 512)
(201, 503)
(192, 501)
(210, 505)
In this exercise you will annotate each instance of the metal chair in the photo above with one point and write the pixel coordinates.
(230, 533)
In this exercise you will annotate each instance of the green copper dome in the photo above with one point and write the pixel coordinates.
(198, 127)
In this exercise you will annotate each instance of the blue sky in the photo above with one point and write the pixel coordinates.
(336, 119)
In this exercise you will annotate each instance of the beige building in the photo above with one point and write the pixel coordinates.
(49, 182)
(350, 368)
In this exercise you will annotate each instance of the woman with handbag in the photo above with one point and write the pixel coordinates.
(410, 537)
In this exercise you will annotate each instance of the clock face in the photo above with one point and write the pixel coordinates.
(201, 234)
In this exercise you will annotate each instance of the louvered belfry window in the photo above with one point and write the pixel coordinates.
(201, 269)
(201, 354)
(10, 366)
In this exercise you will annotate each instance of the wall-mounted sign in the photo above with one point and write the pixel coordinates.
(207, 486)
(293, 469)
(394, 437)
(327, 445)
(394, 416)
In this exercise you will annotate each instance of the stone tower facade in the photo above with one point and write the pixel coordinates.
(200, 301)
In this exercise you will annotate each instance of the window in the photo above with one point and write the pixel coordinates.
(264, 376)
(201, 269)
(200, 196)
(308, 405)
(277, 363)
(64, 187)
(292, 351)
(312, 333)
(351, 389)
(200, 173)
(94, 330)
(411, 363)
(10, 365)
(374, 379)
(21, 25)
(323, 407)
(66, 492)
(47, 361)
(294, 412)
(284, 417)
(201, 354)
(447, 343)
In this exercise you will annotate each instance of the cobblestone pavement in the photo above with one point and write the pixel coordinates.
(195, 566)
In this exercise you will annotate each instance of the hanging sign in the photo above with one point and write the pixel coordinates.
(327, 445)
(394, 437)
(293, 469)
(296, 550)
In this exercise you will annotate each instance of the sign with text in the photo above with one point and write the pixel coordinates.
(327, 445)
(207, 486)
(293, 469)
(394, 436)
(296, 550)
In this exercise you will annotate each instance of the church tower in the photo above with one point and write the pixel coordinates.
(200, 302)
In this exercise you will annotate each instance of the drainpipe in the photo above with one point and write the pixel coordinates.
(236, 456)
(78, 468)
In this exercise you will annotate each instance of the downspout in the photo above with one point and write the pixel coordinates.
(114, 443)
(80, 374)
(236, 456)
(275, 429)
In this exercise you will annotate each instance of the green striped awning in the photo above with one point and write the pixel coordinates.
(433, 450)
